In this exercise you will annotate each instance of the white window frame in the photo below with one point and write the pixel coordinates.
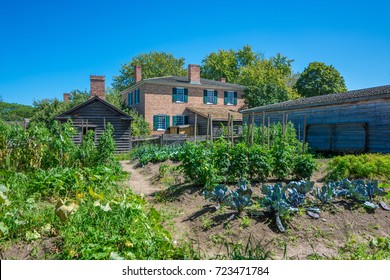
(230, 97)
(210, 94)
(162, 127)
(180, 92)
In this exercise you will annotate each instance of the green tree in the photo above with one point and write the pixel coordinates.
(228, 63)
(266, 80)
(319, 79)
(154, 64)
(47, 109)
(265, 83)
(15, 112)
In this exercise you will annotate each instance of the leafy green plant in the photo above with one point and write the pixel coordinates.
(326, 193)
(241, 197)
(219, 194)
(259, 163)
(360, 191)
(274, 200)
(366, 166)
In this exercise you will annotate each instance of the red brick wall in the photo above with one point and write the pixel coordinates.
(97, 86)
(157, 99)
(194, 73)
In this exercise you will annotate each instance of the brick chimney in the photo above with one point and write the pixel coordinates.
(193, 74)
(98, 86)
(223, 80)
(137, 74)
(66, 97)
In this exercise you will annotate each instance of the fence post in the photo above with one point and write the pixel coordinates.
(262, 130)
(269, 131)
(211, 129)
(304, 134)
(253, 127)
(195, 127)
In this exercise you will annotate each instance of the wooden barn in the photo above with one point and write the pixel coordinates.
(95, 113)
(353, 121)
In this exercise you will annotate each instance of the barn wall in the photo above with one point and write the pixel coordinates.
(353, 126)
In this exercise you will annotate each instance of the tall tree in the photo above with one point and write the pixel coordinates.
(266, 80)
(15, 112)
(319, 79)
(154, 64)
(264, 84)
(228, 63)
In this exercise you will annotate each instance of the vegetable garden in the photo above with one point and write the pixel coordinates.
(73, 202)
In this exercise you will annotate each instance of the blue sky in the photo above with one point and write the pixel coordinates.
(51, 47)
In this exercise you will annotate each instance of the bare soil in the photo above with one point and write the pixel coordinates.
(193, 220)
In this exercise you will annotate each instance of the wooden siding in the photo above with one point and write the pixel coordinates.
(353, 126)
(96, 115)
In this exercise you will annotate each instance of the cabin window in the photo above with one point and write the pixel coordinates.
(85, 129)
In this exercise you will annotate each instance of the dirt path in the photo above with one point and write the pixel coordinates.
(140, 179)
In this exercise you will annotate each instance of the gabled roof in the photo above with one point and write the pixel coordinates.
(182, 81)
(66, 114)
(217, 113)
(327, 99)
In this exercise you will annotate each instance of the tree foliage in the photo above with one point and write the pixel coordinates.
(228, 63)
(266, 80)
(15, 112)
(47, 109)
(319, 79)
(154, 64)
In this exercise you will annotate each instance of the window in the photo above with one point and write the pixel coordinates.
(136, 96)
(230, 98)
(180, 120)
(85, 129)
(180, 95)
(160, 122)
(210, 96)
(130, 99)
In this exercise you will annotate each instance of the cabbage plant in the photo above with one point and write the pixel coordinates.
(275, 201)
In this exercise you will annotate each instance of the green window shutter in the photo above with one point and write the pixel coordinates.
(185, 119)
(130, 99)
(174, 95)
(186, 95)
(155, 122)
(225, 97)
(215, 97)
(174, 120)
(136, 97)
(205, 96)
(167, 122)
(235, 98)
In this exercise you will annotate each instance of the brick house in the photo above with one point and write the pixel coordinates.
(164, 101)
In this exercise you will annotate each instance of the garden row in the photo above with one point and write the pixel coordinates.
(281, 200)
(210, 163)
(52, 190)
